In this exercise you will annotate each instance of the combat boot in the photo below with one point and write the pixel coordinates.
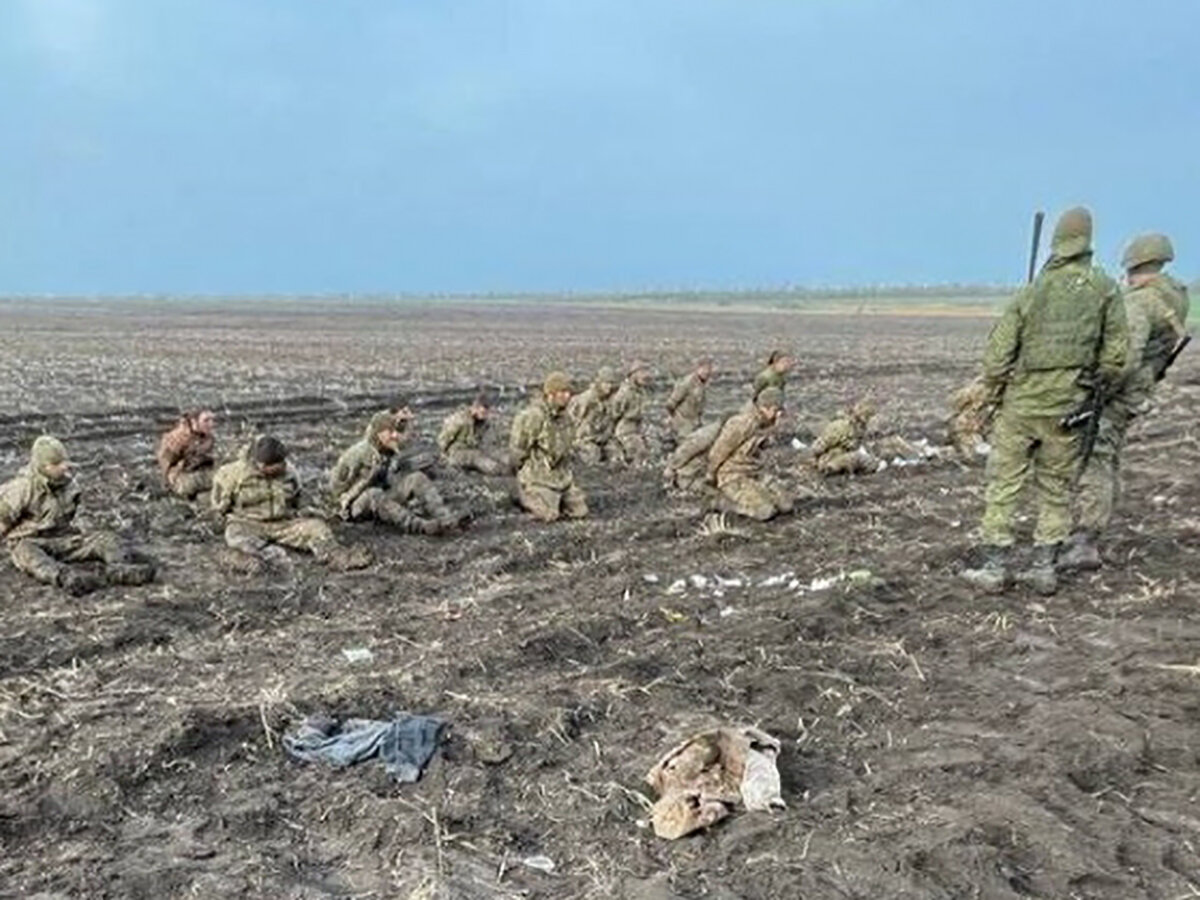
(1039, 575)
(344, 559)
(992, 576)
(78, 582)
(1080, 553)
(131, 574)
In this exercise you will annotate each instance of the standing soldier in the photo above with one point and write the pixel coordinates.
(37, 512)
(628, 407)
(540, 446)
(592, 417)
(259, 495)
(367, 485)
(735, 463)
(969, 419)
(185, 455)
(839, 450)
(1156, 306)
(1061, 338)
(462, 435)
(685, 406)
(774, 374)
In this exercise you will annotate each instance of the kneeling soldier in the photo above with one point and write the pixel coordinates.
(461, 440)
(735, 461)
(185, 455)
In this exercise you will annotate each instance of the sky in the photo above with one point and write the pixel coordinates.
(310, 146)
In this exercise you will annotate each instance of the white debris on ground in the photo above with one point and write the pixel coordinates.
(716, 586)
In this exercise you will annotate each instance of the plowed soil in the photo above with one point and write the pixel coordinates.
(936, 744)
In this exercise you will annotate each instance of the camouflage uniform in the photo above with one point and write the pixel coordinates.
(366, 485)
(540, 446)
(688, 464)
(591, 414)
(37, 523)
(461, 442)
(969, 419)
(839, 450)
(1156, 310)
(685, 406)
(735, 464)
(185, 460)
(628, 406)
(1065, 327)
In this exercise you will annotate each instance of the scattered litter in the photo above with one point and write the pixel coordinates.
(672, 615)
(358, 654)
(824, 584)
(726, 612)
(861, 576)
(699, 582)
(702, 780)
(650, 578)
(798, 444)
(541, 863)
(728, 582)
(793, 584)
(678, 586)
(776, 580)
(625, 597)
(406, 744)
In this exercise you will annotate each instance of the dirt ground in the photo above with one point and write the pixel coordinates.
(935, 744)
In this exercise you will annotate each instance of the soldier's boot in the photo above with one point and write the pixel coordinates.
(992, 576)
(448, 519)
(345, 559)
(394, 513)
(1040, 575)
(78, 582)
(240, 562)
(133, 573)
(1080, 553)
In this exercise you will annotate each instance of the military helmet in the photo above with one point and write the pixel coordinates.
(555, 382)
(1148, 248)
(382, 421)
(47, 451)
(771, 396)
(862, 410)
(1072, 233)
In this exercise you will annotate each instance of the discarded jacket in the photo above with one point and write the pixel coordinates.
(701, 780)
(406, 744)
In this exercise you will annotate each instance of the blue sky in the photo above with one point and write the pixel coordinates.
(476, 145)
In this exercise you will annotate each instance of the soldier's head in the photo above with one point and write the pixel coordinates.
(557, 389)
(705, 369)
(862, 412)
(386, 430)
(769, 404)
(780, 361)
(1072, 234)
(1146, 256)
(269, 456)
(201, 421)
(481, 405)
(639, 373)
(606, 382)
(49, 459)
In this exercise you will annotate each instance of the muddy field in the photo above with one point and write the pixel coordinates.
(935, 744)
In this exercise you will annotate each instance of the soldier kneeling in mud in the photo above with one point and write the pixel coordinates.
(541, 445)
(260, 496)
(839, 449)
(37, 510)
(185, 455)
(367, 484)
(462, 436)
(735, 461)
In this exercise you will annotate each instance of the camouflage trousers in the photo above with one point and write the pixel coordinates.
(683, 427)
(395, 505)
(44, 557)
(592, 453)
(551, 504)
(846, 462)
(190, 484)
(256, 538)
(759, 498)
(475, 460)
(1024, 445)
(629, 445)
(1100, 481)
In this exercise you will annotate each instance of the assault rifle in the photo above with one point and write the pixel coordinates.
(1170, 360)
(1086, 416)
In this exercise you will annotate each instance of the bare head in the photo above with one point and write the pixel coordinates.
(780, 361)
(202, 421)
(270, 456)
(705, 369)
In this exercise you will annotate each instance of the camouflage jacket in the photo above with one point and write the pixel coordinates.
(30, 505)
(1153, 311)
(241, 491)
(736, 453)
(1044, 390)
(183, 450)
(768, 377)
(592, 417)
(628, 405)
(461, 430)
(540, 445)
(686, 403)
(842, 434)
(362, 465)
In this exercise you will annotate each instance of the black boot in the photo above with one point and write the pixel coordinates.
(1080, 553)
(78, 582)
(992, 576)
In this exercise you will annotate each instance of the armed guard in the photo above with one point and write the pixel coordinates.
(1061, 339)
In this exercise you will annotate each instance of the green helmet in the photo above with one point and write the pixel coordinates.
(1072, 234)
(47, 451)
(1147, 248)
(770, 397)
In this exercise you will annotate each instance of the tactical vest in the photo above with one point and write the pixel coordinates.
(1065, 319)
(1168, 295)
